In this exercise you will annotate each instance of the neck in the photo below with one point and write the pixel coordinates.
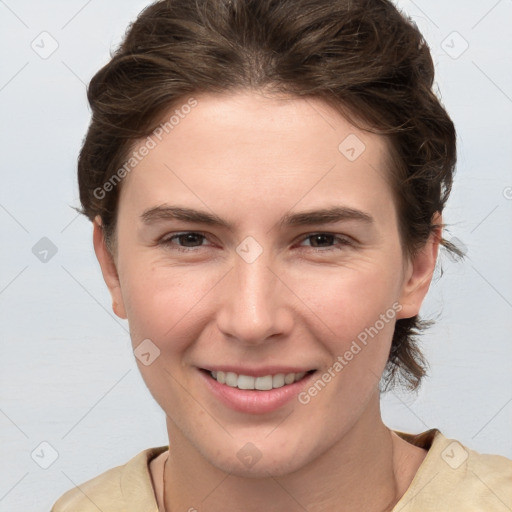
(369, 469)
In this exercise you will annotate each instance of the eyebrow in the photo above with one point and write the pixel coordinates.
(310, 217)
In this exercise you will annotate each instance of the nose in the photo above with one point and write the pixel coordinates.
(254, 304)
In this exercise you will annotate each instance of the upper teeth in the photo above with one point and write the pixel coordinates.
(260, 383)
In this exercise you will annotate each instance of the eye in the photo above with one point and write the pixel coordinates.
(185, 241)
(190, 241)
(327, 241)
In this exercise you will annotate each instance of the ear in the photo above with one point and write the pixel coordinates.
(419, 272)
(108, 268)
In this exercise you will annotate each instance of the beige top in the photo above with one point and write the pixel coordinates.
(451, 478)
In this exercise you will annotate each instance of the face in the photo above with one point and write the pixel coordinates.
(258, 243)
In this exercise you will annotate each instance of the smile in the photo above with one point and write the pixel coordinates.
(263, 383)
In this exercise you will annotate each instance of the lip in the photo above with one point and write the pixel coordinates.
(257, 372)
(254, 401)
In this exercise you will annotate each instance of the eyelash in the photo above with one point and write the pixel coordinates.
(168, 241)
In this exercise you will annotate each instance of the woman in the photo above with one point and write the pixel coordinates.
(266, 181)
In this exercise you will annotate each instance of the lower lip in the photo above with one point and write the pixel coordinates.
(255, 401)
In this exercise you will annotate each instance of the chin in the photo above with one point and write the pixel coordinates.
(282, 465)
(261, 458)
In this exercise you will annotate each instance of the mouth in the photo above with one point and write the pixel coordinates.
(261, 383)
(265, 391)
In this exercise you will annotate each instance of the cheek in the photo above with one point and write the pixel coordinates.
(347, 300)
(163, 302)
(167, 306)
(352, 312)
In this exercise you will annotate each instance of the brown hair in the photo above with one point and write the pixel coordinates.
(361, 56)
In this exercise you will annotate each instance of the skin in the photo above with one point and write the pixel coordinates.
(251, 158)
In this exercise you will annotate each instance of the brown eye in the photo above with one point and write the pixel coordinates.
(326, 241)
(184, 241)
(190, 239)
(321, 240)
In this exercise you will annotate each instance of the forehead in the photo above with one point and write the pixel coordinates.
(260, 152)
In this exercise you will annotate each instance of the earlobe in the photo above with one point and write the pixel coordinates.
(108, 268)
(419, 273)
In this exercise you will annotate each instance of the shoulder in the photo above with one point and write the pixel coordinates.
(119, 489)
(489, 478)
(455, 477)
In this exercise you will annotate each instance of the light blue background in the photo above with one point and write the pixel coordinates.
(67, 373)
